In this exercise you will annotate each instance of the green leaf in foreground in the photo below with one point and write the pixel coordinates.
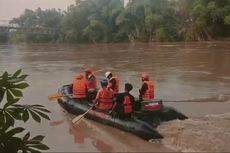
(11, 140)
(17, 73)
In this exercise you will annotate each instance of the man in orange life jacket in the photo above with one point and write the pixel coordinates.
(113, 82)
(147, 89)
(91, 84)
(124, 103)
(91, 81)
(79, 88)
(104, 98)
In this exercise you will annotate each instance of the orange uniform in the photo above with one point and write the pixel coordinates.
(128, 104)
(105, 99)
(91, 82)
(79, 88)
(149, 93)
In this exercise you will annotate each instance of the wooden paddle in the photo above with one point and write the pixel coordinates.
(79, 117)
(55, 96)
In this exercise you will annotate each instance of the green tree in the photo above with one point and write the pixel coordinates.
(10, 112)
(152, 22)
(208, 20)
(141, 20)
(37, 26)
(227, 20)
(91, 21)
(131, 22)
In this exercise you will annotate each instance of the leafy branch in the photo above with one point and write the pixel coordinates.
(11, 86)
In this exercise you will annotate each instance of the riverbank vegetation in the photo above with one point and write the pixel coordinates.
(11, 138)
(140, 20)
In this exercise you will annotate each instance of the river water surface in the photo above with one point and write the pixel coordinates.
(196, 73)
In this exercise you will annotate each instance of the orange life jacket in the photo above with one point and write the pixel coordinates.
(116, 88)
(79, 88)
(105, 99)
(92, 85)
(128, 108)
(149, 94)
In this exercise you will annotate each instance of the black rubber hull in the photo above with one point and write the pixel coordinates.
(152, 116)
(155, 117)
(135, 126)
(143, 123)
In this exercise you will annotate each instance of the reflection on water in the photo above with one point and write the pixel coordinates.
(92, 136)
(81, 132)
(181, 71)
(56, 123)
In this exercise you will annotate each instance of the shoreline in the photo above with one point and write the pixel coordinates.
(109, 43)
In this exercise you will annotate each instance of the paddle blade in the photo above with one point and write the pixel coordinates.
(78, 118)
(55, 96)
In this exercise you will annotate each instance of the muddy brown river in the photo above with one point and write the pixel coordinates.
(195, 75)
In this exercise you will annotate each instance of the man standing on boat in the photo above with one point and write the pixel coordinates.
(113, 82)
(91, 83)
(104, 98)
(124, 103)
(79, 88)
(147, 89)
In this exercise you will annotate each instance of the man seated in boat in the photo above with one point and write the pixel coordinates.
(91, 84)
(79, 88)
(123, 106)
(147, 89)
(146, 92)
(104, 98)
(113, 82)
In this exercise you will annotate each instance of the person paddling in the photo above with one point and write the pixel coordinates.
(123, 106)
(147, 89)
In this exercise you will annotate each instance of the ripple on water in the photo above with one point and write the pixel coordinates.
(210, 134)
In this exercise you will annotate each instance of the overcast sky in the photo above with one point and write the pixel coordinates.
(13, 8)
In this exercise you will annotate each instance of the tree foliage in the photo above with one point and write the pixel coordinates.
(139, 20)
(11, 86)
(37, 26)
(91, 21)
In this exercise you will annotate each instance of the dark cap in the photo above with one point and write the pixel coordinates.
(104, 83)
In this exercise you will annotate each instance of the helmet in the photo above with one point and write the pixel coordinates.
(145, 75)
(104, 82)
(79, 76)
(107, 74)
(89, 70)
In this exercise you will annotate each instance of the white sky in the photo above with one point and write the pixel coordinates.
(13, 8)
